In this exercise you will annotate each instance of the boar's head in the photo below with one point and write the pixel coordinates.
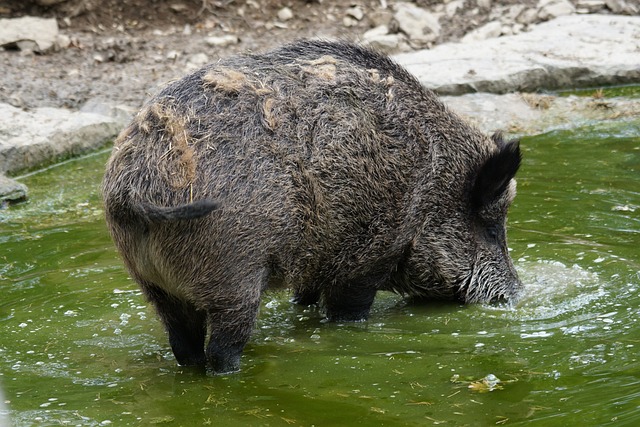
(461, 250)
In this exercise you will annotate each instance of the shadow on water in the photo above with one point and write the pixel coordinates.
(80, 346)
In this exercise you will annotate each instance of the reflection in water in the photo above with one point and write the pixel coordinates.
(80, 346)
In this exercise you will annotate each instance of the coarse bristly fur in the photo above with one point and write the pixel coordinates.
(321, 166)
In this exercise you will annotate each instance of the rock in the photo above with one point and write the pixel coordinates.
(380, 17)
(63, 41)
(387, 43)
(349, 21)
(550, 9)
(452, 8)
(506, 30)
(380, 39)
(532, 113)
(49, 2)
(513, 12)
(38, 33)
(27, 46)
(222, 41)
(527, 16)
(42, 135)
(590, 6)
(621, 6)
(172, 55)
(355, 12)
(487, 31)
(285, 14)
(569, 51)
(179, 7)
(380, 30)
(11, 190)
(418, 24)
(196, 61)
(484, 4)
(122, 114)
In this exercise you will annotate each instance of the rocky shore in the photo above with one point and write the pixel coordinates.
(61, 98)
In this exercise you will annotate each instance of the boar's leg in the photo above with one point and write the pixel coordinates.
(349, 303)
(306, 296)
(185, 325)
(230, 327)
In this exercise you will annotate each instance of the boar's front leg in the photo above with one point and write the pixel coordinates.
(349, 302)
(185, 325)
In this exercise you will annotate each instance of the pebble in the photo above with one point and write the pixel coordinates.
(285, 14)
(549, 9)
(487, 31)
(418, 24)
(622, 6)
(222, 41)
(355, 12)
(349, 21)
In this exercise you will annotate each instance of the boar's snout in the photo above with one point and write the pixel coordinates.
(495, 281)
(510, 295)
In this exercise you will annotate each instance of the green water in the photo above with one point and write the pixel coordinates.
(629, 91)
(81, 347)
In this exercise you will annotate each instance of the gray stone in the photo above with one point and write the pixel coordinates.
(49, 2)
(380, 30)
(349, 21)
(63, 41)
(550, 9)
(285, 14)
(196, 61)
(452, 8)
(222, 41)
(421, 26)
(487, 31)
(590, 6)
(532, 114)
(42, 135)
(40, 34)
(527, 16)
(11, 190)
(355, 12)
(570, 51)
(387, 43)
(122, 114)
(621, 6)
(513, 12)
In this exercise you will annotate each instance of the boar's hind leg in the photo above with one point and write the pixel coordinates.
(185, 325)
(349, 303)
(230, 325)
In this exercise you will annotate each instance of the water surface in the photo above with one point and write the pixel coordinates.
(80, 346)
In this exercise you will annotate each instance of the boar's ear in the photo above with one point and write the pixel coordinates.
(494, 175)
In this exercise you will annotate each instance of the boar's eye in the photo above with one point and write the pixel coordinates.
(496, 172)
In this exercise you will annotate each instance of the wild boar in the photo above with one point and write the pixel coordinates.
(321, 166)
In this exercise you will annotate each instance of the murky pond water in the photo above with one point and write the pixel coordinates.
(79, 345)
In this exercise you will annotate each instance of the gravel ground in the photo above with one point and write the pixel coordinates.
(122, 54)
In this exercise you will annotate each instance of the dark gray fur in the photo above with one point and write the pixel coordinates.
(320, 166)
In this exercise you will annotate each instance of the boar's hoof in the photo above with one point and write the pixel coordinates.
(305, 297)
(223, 360)
(351, 306)
(224, 366)
(348, 314)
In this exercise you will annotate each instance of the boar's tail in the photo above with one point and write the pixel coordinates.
(187, 211)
